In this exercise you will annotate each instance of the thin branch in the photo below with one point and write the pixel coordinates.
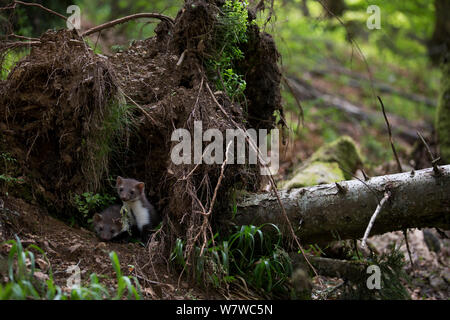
(125, 19)
(387, 194)
(219, 181)
(399, 166)
(22, 37)
(272, 182)
(434, 160)
(138, 106)
(405, 234)
(32, 4)
(297, 100)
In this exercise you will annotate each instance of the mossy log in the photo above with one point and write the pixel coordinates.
(330, 212)
(333, 162)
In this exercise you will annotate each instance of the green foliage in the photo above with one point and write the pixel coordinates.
(230, 32)
(9, 61)
(124, 282)
(442, 122)
(23, 284)
(136, 29)
(8, 161)
(87, 203)
(393, 275)
(116, 122)
(249, 253)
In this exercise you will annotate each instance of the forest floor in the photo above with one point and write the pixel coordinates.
(66, 246)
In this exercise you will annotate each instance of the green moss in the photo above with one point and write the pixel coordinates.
(443, 114)
(230, 32)
(316, 173)
(325, 165)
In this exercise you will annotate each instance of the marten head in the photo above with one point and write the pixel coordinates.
(129, 190)
(107, 227)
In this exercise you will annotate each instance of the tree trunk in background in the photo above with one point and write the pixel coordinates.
(335, 7)
(304, 8)
(439, 43)
(325, 213)
(443, 114)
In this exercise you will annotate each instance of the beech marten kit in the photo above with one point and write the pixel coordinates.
(136, 213)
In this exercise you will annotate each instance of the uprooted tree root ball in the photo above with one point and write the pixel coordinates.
(77, 119)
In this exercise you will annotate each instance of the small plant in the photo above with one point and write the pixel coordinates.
(248, 254)
(392, 273)
(231, 31)
(8, 161)
(87, 203)
(23, 284)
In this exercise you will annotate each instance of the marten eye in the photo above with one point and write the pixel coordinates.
(132, 192)
(121, 189)
(101, 228)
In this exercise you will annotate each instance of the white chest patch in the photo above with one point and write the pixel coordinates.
(140, 213)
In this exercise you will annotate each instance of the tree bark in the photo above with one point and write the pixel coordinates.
(329, 212)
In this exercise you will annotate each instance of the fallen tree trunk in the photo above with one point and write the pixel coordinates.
(356, 79)
(331, 212)
(404, 128)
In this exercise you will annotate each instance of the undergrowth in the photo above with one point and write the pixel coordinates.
(89, 203)
(231, 31)
(110, 137)
(22, 281)
(7, 162)
(393, 275)
(248, 254)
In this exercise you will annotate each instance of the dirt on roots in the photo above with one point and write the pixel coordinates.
(59, 112)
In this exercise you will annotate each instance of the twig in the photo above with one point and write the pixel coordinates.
(137, 105)
(387, 194)
(31, 148)
(180, 61)
(297, 100)
(272, 182)
(22, 37)
(405, 234)
(434, 160)
(399, 166)
(360, 180)
(355, 243)
(18, 44)
(125, 19)
(366, 177)
(32, 4)
(219, 181)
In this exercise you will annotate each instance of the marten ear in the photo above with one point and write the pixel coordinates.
(119, 181)
(140, 186)
(97, 218)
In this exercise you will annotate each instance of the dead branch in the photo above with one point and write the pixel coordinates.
(357, 78)
(32, 4)
(391, 140)
(125, 19)
(387, 194)
(305, 91)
